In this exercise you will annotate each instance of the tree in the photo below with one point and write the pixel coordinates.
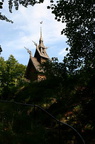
(79, 17)
(11, 76)
(2, 69)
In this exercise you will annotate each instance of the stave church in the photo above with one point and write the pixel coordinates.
(33, 70)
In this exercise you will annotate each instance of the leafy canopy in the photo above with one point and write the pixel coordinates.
(11, 76)
(79, 16)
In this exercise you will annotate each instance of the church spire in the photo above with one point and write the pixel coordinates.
(41, 44)
(40, 48)
(41, 39)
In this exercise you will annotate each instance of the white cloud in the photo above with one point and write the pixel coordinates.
(63, 52)
(26, 28)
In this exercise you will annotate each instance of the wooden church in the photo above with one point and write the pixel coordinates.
(33, 70)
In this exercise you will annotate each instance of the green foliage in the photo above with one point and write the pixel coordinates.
(68, 96)
(69, 90)
(54, 70)
(25, 124)
(79, 17)
(11, 76)
(46, 91)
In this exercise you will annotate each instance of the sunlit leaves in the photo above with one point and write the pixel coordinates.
(11, 76)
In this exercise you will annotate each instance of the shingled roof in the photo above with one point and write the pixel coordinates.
(36, 64)
(42, 51)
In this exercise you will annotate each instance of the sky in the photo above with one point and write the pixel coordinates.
(26, 28)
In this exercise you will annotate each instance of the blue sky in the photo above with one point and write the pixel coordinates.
(26, 27)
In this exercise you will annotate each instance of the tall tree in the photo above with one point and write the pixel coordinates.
(79, 17)
(11, 75)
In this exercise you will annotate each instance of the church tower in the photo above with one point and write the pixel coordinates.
(33, 70)
(40, 52)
